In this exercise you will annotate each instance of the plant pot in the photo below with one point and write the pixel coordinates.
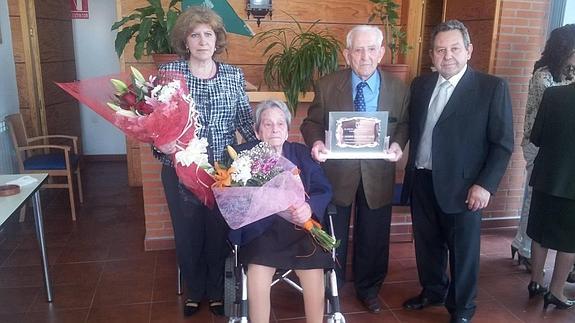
(164, 58)
(399, 70)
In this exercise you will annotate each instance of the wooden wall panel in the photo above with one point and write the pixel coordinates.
(480, 32)
(53, 9)
(60, 117)
(433, 14)
(13, 9)
(55, 39)
(336, 16)
(479, 17)
(49, 38)
(17, 45)
(22, 85)
(465, 10)
(56, 51)
(57, 71)
(21, 67)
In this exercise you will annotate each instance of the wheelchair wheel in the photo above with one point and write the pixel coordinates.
(336, 318)
(230, 285)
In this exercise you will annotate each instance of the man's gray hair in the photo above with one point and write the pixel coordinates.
(451, 25)
(364, 28)
(269, 104)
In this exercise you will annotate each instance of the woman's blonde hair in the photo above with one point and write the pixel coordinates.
(188, 20)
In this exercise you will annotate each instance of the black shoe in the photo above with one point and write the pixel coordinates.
(372, 304)
(525, 262)
(559, 304)
(420, 302)
(535, 289)
(191, 307)
(455, 319)
(571, 277)
(217, 308)
(513, 252)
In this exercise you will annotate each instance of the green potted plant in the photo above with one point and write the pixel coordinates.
(150, 27)
(386, 11)
(297, 57)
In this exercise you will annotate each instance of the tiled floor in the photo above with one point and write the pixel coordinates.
(102, 274)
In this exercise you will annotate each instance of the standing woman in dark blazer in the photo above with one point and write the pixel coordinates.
(552, 215)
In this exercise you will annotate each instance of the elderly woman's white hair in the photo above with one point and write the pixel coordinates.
(269, 104)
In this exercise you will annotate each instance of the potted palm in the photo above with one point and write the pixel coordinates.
(298, 56)
(150, 27)
(396, 39)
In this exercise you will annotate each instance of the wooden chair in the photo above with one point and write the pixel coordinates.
(56, 160)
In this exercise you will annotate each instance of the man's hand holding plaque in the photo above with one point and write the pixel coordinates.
(356, 135)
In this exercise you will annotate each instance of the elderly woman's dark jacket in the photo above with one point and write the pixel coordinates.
(314, 181)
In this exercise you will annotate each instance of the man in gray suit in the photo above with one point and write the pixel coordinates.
(365, 184)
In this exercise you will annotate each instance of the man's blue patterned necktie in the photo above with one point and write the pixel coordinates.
(359, 101)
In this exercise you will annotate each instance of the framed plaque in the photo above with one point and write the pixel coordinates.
(357, 135)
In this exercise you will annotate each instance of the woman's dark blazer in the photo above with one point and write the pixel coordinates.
(554, 132)
(314, 181)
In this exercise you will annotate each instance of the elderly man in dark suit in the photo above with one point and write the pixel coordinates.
(365, 184)
(461, 139)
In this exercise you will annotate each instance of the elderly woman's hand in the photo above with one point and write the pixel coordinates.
(301, 213)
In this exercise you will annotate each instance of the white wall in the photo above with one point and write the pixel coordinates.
(95, 56)
(8, 90)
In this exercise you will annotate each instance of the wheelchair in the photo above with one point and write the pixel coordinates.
(236, 295)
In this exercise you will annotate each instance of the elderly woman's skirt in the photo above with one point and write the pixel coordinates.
(552, 222)
(285, 246)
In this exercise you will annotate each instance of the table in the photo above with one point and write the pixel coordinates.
(9, 204)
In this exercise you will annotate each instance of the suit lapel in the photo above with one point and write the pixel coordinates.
(462, 94)
(344, 94)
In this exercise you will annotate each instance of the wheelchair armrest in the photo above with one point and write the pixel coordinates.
(331, 209)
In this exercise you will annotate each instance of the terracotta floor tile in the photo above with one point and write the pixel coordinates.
(137, 313)
(394, 294)
(165, 290)
(166, 264)
(124, 270)
(30, 257)
(24, 276)
(172, 312)
(436, 314)
(123, 292)
(77, 273)
(12, 318)
(17, 300)
(75, 254)
(101, 273)
(65, 297)
(60, 316)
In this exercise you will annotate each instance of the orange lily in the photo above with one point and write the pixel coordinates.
(223, 176)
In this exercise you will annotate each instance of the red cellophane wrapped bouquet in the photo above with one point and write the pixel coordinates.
(158, 111)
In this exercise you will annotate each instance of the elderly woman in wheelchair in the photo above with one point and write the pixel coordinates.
(274, 243)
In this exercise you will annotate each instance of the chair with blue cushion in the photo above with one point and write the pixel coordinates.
(35, 155)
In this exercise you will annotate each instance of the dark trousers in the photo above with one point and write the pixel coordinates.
(200, 235)
(370, 245)
(441, 236)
